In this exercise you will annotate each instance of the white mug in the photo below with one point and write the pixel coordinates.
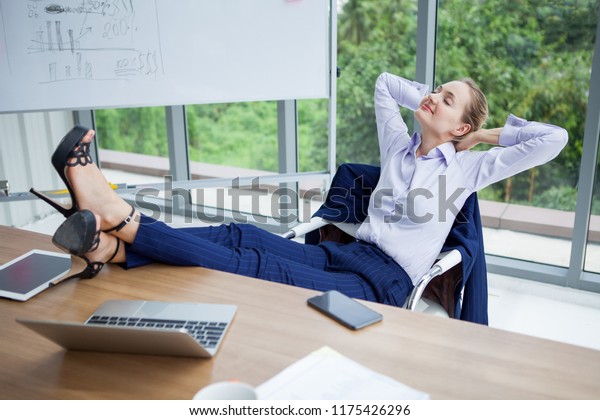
(228, 390)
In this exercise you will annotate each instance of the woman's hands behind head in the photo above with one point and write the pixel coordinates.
(467, 141)
(472, 139)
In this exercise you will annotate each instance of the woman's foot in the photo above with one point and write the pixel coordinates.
(109, 249)
(69, 152)
(93, 192)
(80, 235)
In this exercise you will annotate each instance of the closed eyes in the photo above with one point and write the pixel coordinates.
(448, 96)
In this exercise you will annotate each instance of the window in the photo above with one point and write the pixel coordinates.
(236, 135)
(592, 255)
(313, 134)
(373, 37)
(533, 59)
(133, 144)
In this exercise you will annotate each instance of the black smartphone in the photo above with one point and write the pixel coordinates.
(344, 309)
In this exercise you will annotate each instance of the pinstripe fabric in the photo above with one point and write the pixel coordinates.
(358, 269)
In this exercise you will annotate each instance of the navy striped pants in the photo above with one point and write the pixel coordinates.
(358, 269)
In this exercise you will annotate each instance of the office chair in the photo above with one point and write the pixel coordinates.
(458, 273)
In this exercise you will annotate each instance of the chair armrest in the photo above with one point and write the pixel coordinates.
(448, 260)
(303, 228)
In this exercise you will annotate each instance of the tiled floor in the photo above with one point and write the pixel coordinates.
(544, 310)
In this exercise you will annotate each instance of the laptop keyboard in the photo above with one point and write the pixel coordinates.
(206, 333)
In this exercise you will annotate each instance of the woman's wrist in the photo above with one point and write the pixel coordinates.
(489, 135)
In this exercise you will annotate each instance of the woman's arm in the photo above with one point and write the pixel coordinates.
(525, 144)
(390, 93)
(486, 136)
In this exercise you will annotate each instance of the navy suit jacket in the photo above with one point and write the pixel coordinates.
(348, 201)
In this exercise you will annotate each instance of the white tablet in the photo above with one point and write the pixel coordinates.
(29, 274)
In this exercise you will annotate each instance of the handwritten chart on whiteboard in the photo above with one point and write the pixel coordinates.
(77, 54)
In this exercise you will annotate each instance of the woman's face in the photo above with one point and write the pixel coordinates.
(440, 113)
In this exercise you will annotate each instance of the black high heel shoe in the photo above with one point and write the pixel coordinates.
(70, 146)
(78, 236)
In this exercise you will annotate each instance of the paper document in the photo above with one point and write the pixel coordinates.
(327, 375)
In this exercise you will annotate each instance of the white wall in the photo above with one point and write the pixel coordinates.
(27, 141)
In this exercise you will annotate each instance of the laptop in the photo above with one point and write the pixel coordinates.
(143, 327)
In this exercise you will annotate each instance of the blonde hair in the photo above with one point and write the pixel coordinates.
(476, 112)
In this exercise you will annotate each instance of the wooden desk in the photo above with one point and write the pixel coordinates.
(273, 328)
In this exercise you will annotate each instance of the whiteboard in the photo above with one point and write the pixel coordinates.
(81, 54)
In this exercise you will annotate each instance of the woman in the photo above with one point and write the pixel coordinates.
(425, 179)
